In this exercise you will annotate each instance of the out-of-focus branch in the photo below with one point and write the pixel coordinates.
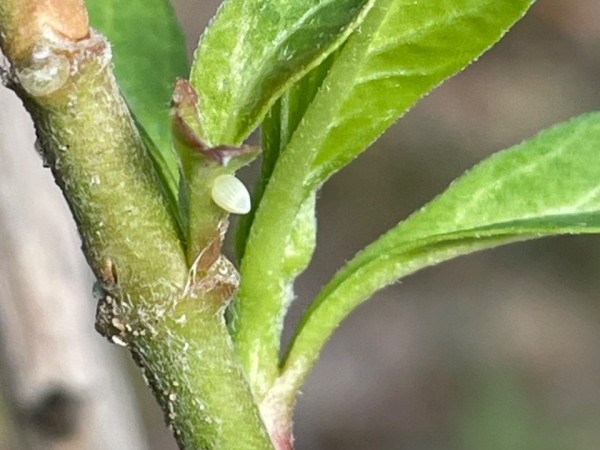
(65, 385)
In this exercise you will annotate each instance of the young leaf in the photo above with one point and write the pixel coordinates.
(403, 50)
(548, 185)
(400, 51)
(149, 54)
(254, 50)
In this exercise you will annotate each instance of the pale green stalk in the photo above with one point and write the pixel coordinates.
(173, 326)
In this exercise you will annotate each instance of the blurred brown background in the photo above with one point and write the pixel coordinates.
(495, 351)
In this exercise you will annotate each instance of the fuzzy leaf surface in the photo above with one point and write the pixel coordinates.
(255, 49)
(545, 186)
(402, 50)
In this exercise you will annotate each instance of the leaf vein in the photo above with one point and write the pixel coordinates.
(418, 32)
(528, 168)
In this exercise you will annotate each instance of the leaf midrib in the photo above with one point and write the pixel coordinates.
(245, 91)
(333, 93)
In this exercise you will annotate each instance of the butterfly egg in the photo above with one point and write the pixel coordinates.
(230, 194)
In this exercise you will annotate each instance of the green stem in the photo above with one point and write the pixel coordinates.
(260, 308)
(207, 223)
(172, 323)
(187, 357)
(98, 159)
(283, 223)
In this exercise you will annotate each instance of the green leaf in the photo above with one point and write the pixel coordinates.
(276, 131)
(285, 116)
(149, 54)
(548, 185)
(255, 49)
(403, 50)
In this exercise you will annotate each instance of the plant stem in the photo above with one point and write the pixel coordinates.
(88, 139)
(24, 21)
(172, 323)
(187, 358)
(263, 298)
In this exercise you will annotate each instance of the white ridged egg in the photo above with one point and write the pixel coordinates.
(230, 194)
